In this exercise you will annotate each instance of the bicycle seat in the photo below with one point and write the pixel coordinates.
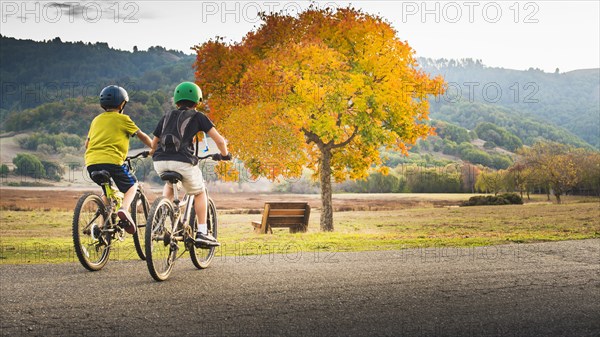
(171, 176)
(100, 177)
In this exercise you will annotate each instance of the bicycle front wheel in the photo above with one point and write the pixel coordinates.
(202, 257)
(160, 256)
(92, 246)
(139, 212)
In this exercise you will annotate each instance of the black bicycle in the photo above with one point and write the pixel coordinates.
(96, 226)
(173, 223)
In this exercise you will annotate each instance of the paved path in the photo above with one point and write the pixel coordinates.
(547, 289)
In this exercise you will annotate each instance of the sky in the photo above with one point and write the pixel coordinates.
(509, 34)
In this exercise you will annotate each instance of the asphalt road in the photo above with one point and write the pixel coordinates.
(548, 289)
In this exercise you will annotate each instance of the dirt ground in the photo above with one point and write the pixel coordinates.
(65, 199)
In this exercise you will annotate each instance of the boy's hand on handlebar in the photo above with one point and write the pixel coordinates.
(218, 157)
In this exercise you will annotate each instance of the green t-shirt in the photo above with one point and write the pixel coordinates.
(109, 138)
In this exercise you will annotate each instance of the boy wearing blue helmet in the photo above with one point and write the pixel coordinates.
(107, 146)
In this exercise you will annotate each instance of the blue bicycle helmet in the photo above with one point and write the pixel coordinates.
(112, 96)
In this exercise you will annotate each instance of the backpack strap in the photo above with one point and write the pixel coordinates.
(166, 120)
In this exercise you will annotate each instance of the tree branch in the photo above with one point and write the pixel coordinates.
(312, 137)
(344, 143)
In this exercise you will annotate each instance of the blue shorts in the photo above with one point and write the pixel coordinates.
(119, 174)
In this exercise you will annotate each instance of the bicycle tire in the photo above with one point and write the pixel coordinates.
(159, 255)
(139, 212)
(202, 257)
(89, 217)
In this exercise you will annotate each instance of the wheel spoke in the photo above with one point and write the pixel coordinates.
(88, 215)
(160, 255)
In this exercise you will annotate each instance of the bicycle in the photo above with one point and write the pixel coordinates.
(173, 222)
(96, 225)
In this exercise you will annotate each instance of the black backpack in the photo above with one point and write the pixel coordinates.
(173, 131)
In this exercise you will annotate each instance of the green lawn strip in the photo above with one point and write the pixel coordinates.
(45, 237)
(53, 250)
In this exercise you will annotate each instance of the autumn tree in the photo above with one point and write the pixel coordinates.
(589, 162)
(491, 181)
(554, 165)
(519, 177)
(468, 176)
(325, 89)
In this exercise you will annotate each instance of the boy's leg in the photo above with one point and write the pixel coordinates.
(160, 167)
(202, 236)
(127, 183)
(123, 212)
(200, 205)
(129, 195)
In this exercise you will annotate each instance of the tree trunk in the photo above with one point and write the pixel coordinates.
(325, 178)
(557, 195)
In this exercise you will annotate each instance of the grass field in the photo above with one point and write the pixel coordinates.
(44, 236)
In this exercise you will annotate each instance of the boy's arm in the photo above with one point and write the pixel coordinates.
(219, 140)
(144, 138)
(154, 146)
(87, 142)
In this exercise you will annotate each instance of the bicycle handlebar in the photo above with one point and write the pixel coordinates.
(141, 154)
(146, 153)
(214, 156)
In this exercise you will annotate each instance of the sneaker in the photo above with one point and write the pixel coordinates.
(206, 240)
(129, 225)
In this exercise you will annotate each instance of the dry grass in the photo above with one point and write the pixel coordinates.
(33, 236)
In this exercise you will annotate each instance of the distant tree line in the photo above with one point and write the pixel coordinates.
(34, 73)
(29, 165)
(547, 167)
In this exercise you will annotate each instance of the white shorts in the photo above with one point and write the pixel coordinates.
(192, 182)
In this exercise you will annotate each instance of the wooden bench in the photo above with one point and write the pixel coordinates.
(294, 215)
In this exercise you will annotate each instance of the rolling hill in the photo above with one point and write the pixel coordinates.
(50, 86)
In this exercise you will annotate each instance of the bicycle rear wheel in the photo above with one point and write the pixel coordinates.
(202, 257)
(160, 256)
(91, 245)
(139, 212)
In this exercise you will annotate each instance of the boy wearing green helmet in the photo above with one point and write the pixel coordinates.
(173, 150)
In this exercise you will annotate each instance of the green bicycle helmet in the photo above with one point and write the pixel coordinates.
(187, 91)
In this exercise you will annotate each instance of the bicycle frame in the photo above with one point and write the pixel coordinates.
(170, 223)
(113, 195)
(181, 219)
(96, 225)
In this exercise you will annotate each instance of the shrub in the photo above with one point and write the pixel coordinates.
(502, 199)
(53, 170)
(4, 170)
(49, 143)
(489, 145)
(513, 198)
(29, 165)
